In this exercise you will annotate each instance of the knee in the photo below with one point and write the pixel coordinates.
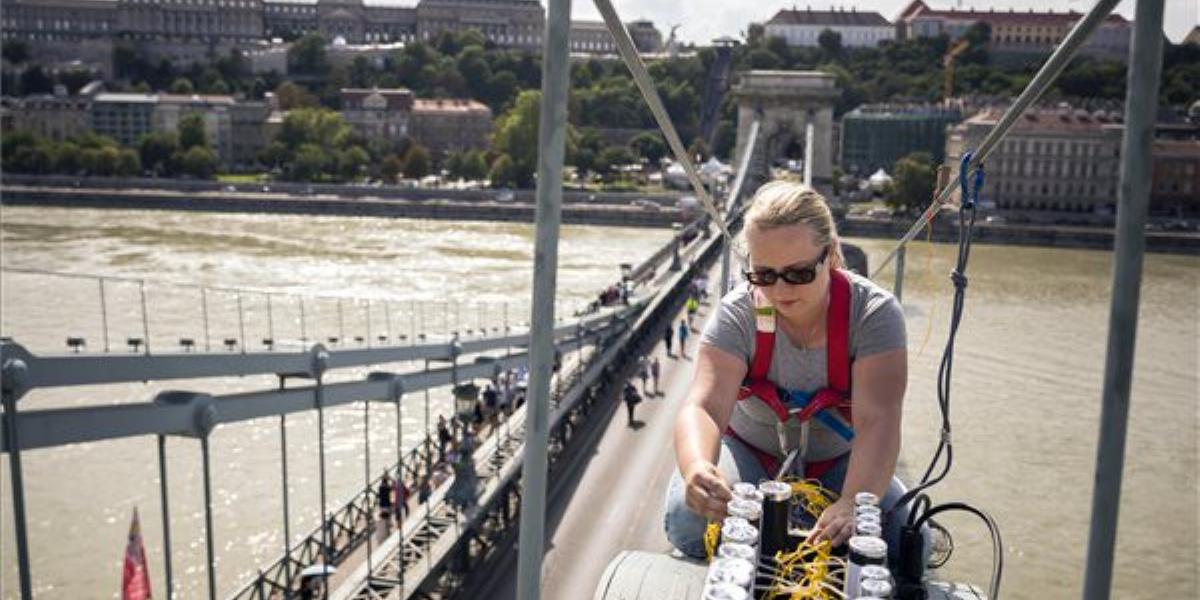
(684, 528)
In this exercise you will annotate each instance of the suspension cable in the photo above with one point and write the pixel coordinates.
(641, 77)
(1045, 76)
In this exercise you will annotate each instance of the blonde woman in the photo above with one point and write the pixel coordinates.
(773, 374)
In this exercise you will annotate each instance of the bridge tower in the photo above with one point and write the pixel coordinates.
(787, 102)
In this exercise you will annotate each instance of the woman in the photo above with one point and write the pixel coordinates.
(809, 313)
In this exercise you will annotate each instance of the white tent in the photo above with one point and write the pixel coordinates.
(880, 180)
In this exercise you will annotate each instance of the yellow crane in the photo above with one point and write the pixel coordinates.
(958, 47)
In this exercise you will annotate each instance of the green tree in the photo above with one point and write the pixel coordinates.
(291, 96)
(474, 167)
(830, 41)
(391, 168)
(503, 172)
(15, 51)
(191, 131)
(417, 163)
(610, 158)
(183, 85)
(454, 164)
(516, 135)
(198, 161)
(650, 146)
(913, 182)
(67, 158)
(761, 58)
(35, 81)
(156, 149)
(322, 127)
(351, 161)
(307, 56)
(698, 150)
(128, 163)
(308, 163)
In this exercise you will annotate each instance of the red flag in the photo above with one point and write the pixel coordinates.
(135, 583)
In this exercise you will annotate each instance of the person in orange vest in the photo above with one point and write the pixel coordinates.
(773, 376)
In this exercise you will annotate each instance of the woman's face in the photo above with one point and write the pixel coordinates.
(794, 246)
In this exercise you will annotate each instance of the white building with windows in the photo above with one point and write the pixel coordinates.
(858, 29)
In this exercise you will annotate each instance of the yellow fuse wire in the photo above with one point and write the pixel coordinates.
(712, 535)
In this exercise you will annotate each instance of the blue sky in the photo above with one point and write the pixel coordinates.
(703, 20)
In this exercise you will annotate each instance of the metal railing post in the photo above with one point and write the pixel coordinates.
(898, 284)
(341, 323)
(103, 314)
(145, 316)
(402, 503)
(367, 482)
(208, 520)
(204, 313)
(303, 325)
(320, 401)
(241, 324)
(287, 520)
(551, 146)
(1141, 103)
(270, 322)
(18, 494)
(166, 513)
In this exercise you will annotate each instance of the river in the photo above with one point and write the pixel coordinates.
(1026, 391)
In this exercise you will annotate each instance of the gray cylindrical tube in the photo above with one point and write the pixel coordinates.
(868, 528)
(874, 588)
(732, 550)
(737, 571)
(747, 491)
(737, 530)
(863, 551)
(746, 509)
(866, 499)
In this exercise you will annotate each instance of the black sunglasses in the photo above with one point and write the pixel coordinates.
(793, 275)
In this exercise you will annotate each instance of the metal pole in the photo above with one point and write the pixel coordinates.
(270, 323)
(368, 323)
(204, 311)
(103, 314)
(401, 503)
(552, 131)
(387, 319)
(898, 285)
(241, 324)
(287, 519)
(1141, 102)
(320, 398)
(208, 521)
(18, 492)
(367, 481)
(303, 327)
(145, 317)
(341, 324)
(808, 150)
(166, 516)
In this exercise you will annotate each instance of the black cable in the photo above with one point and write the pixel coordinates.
(997, 542)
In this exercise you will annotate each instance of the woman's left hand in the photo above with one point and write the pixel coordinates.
(836, 523)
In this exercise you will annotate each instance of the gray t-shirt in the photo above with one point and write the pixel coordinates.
(876, 325)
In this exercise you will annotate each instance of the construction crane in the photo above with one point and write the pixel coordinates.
(957, 48)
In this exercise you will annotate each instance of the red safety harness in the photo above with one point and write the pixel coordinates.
(837, 358)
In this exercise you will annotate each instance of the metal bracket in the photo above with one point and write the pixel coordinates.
(396, 389)
(14, 374)
(204, 410)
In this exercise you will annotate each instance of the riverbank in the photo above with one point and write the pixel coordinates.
(607, 208)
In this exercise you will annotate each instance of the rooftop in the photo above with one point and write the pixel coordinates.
(918, 8)
(1048, 120)
(449, 105)
(852, 18)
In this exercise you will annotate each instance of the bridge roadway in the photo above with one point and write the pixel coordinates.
(611, 499)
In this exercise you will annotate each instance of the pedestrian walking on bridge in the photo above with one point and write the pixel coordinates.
(668, 335)
(632, 399)
(655, 372)
(684, 331)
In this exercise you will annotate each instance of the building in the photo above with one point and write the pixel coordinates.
(874, 137)
(508, 23)
(591, 37)
(376, 113)
(56, 116)
(448, 125)
(1056, 164)
(248, 127)
(859, 29)
(123, 117)
(58, 20)
(216, 110)
(1175, 187)
(217, 22)
(1017, 33)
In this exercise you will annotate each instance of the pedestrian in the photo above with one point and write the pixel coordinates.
(424, 491)
(491, 400)
(632, 398)
(384, 496)
(655, 371)
(693, 306)
(403, 493)
(444, 436)
(644, 373)
(684, 330)
(668, 334)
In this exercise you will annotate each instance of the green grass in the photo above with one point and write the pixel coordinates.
(241, 177)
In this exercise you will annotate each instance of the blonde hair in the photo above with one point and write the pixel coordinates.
(781, 203)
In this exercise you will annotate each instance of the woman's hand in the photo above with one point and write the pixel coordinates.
(836, 523)
(707, 491)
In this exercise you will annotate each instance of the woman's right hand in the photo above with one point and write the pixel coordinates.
(707, 491)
